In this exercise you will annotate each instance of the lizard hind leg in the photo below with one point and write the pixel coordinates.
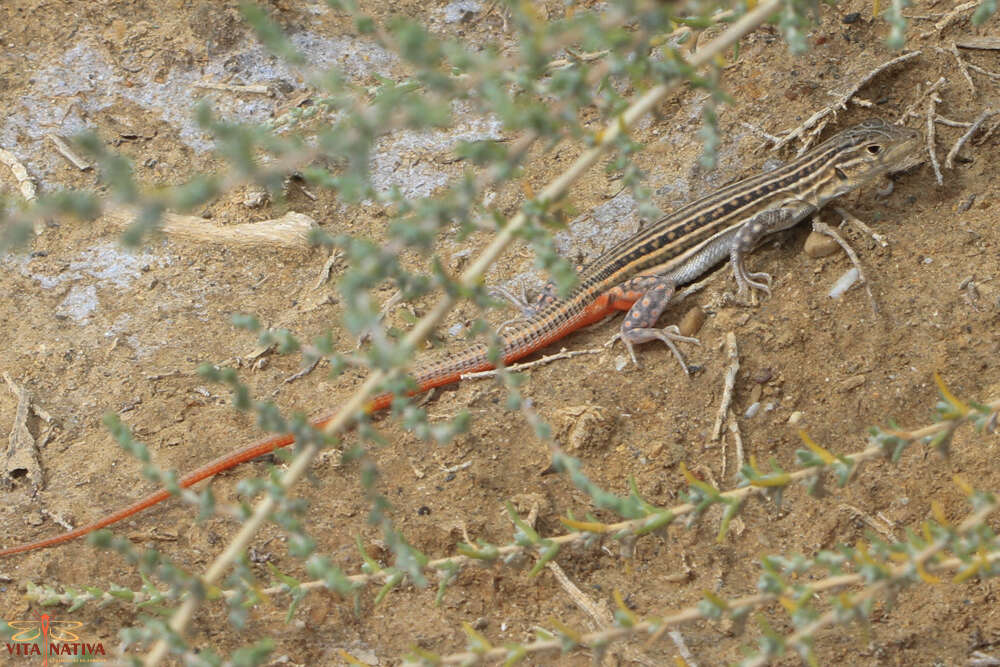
(638, 326)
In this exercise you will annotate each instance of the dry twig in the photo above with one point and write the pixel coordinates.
(291, 230)
(850, 218)
(961, 65)
(255, 88)
(815, 124)
(932, 101)
(824, 228)
(64, 149)
(21, 457)
(733, 354)
(949, 161)
(950, 18)
(24, 182)
(912, 109)
(517, 368)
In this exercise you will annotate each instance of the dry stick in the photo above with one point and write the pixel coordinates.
(27, 186)
(912, 109)
(986, 72)
(67, 152)
(599, 614)
(985, 43)
(727, 389)
(682, 648)
(291, 230)
(961, 66)
(851, 219)
(938, 118)
(766, 136)
(324, 273)
(824, 228)
(253, 88)
(841, 103)
(470, 278)
(950, 18)
(734, 428)
(950, 160)
(932, 100)
(517, 368)
(980, 659)
(22, 450)
(986, 135)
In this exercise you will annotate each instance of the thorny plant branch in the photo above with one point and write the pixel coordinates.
(423, 328)
(739, 494)
(48, 596)
(898, 574)
(597, 640)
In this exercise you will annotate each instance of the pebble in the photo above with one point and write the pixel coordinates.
(752, 410)
(795, 419)
(692, 321)
(820, 245)
(853, 17)
(852, 382)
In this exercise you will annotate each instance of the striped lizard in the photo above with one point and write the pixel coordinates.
(639, 275)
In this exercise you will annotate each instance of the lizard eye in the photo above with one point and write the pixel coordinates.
(874, 149)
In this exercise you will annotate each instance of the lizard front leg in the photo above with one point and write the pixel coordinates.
(649, 296)
(747, 238)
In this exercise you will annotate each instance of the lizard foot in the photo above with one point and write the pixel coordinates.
(667, 335)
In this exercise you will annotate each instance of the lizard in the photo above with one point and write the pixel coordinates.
(639, 275)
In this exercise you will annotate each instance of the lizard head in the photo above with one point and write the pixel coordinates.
(871, 149)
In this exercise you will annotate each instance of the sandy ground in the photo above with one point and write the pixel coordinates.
(89, 327)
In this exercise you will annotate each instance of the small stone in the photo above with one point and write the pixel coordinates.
(853, 17)
(762, 375)
(255, 197)
(852, 382)
(795, 419)
(692, 321)
(820, 245)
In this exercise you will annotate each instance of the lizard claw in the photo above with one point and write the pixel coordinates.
(748, 286)
(668, 335)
